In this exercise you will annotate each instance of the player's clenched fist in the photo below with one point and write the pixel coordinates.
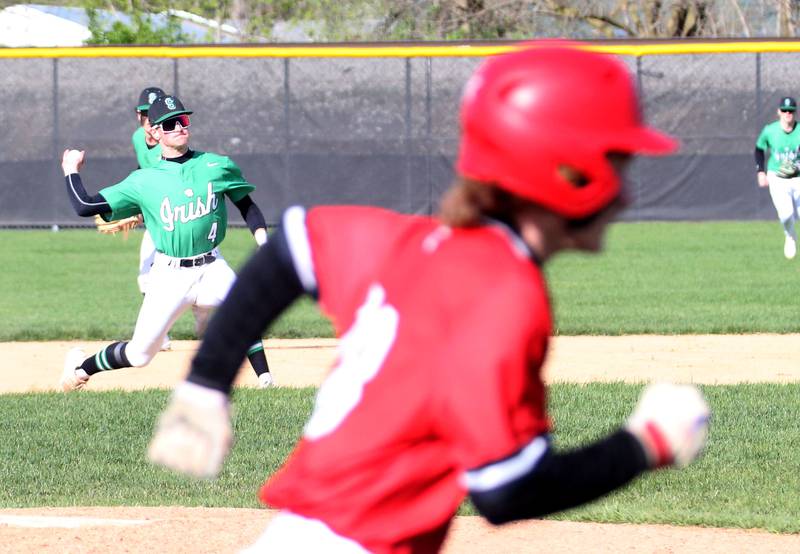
(194, 433)
(72, 161)
(671, 422)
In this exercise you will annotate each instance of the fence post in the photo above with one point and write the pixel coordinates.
(56, 138)
(287, 126)
(758, 87)
(55, 106)
(640, 92)
(408, 133)
(175, 82)
(760, 198)
(428, 137)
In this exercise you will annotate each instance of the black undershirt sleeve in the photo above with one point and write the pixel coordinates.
(265, 287)
(760, 158)
(84, 205)
(564, 480)
(251, 214)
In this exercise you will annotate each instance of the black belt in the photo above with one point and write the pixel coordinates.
(198, 261)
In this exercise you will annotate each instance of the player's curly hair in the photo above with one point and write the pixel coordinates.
(468, 203)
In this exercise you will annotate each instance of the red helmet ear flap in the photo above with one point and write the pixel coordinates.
(527, 113)
(543, 167)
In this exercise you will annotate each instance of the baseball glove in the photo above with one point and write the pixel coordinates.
(117, 225)
(194, 433)
(787, 169)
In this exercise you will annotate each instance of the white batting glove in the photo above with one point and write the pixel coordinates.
(72, 161)
(194, 433)
(671, 422)
(261, 236)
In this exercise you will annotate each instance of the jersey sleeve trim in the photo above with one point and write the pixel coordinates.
(294, 223)
(507, 470)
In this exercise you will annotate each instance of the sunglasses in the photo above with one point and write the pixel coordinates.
(787, 111)
(170, 125)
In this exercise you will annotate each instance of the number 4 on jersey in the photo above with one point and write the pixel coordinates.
(212, 234)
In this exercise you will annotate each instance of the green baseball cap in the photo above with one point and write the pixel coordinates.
(147, 97)
(788, 104)
(165, 107)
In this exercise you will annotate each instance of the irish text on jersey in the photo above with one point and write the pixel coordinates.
(194, 209)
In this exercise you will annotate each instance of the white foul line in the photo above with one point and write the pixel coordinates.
(67, 522)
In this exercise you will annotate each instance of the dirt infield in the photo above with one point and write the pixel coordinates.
(226, 530)
(698, 359)
(706, 359)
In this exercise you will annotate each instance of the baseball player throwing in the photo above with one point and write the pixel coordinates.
(779, 171)
(182, 200)
(444, 325)
(148, 154)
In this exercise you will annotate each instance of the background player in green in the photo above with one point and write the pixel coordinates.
(779, 171)
(148, 154)
(147, 148)
(182, 200)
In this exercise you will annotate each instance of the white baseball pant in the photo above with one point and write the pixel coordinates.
(290, 533)
(171, 291)
(147, 253)
(785, 194)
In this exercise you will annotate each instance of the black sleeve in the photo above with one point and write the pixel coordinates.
(559, 481)
(84, 205)
(266, 286)
(251, 213)
(760, 158)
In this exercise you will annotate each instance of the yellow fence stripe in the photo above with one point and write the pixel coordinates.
(256, 52)
(394, 51)
(677, 48)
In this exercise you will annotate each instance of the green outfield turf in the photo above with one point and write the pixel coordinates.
(726, 277)
(78, 284)
(88, 449)
(722, 277)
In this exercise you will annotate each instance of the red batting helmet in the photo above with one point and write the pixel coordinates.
(529, 112)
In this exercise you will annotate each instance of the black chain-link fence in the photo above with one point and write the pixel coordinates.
(379, 131)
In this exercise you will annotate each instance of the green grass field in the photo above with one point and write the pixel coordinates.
(664, 278)
(88, 449)
(78, 284)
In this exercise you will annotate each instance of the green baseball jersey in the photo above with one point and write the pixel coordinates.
(183, 204)
(782, 146)
(147, 157)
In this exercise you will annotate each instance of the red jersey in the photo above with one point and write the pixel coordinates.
(444, 332)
